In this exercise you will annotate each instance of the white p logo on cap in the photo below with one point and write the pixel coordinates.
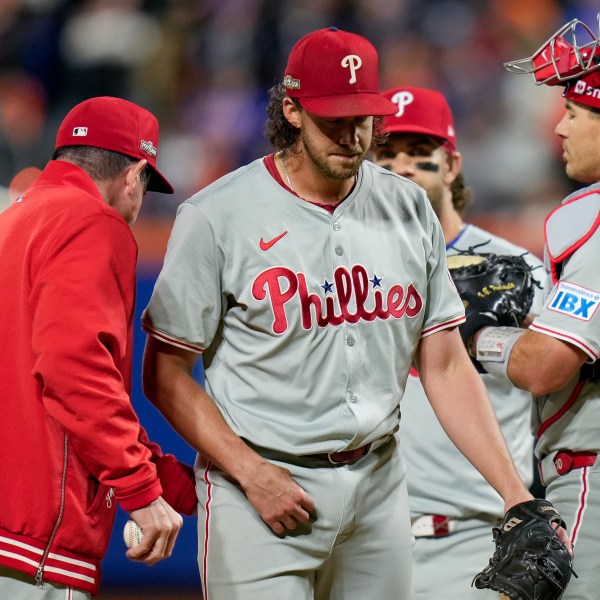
(354, 63)
(402, 100)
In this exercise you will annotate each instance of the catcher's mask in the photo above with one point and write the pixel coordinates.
(572, 52)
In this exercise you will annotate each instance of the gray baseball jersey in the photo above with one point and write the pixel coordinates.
(569, 418)
(440, 479)
(307, 322)
(433, 463)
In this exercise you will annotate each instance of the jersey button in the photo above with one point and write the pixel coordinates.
(350, 341)
(336, 226)
(353, 398)
(339, 251)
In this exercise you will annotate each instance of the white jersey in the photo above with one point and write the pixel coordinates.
(570, 417)
(307, 322)
(434, 465)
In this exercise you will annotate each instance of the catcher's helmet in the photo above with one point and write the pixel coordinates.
(571, 52)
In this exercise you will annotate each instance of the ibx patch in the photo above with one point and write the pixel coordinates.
(574, 301)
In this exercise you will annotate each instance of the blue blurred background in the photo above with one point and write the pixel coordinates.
(204, 67)
(179, 575)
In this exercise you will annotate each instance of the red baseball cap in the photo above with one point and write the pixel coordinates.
(335, 74)
(420, 110)
(574, 64)
(585, 90)
(118, 125)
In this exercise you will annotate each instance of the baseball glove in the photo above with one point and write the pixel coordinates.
(530, 561)
(495, 290)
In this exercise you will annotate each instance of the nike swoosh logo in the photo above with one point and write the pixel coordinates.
(266, 245)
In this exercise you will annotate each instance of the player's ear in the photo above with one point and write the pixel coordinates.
(133, 173)
(291, 112)
(454, 160)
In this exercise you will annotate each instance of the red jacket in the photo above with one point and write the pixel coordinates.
(72, 444)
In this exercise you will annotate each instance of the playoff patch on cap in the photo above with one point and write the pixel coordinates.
(118, 125)
(422, 111)
(335, 74)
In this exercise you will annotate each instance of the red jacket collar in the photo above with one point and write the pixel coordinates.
(59, 172)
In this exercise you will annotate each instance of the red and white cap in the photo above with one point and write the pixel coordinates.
(585, 90)
(118, 125)
(335, 74)
(422, 111)
(571, 58)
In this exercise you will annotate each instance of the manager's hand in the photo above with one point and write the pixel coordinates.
(160, 525)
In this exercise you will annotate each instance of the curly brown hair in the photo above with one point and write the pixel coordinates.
(462, 195)
(281, 134)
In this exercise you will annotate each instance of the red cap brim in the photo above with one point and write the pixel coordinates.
(399, 128)
(349, 105)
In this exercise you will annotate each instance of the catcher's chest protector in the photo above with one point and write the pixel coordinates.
(569, 226)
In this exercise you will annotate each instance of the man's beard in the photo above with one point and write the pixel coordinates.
(341, 174)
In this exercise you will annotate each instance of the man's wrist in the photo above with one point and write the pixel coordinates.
(492, 347)
(472, 343)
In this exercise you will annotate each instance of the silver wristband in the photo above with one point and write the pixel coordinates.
(494, 346)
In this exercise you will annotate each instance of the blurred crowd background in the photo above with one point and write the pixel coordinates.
(204, 68)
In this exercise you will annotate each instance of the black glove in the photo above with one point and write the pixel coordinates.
(496, 290)
(530, 561)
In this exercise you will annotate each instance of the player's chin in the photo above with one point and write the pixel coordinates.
(573, 172)
(346, 166)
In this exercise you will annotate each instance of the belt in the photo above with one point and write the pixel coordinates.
(563, 462)
(343, 457)
(325, 459)
(432, 526)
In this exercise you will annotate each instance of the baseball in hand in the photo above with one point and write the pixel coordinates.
(132, 534)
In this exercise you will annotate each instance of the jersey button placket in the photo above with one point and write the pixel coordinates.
(338, 249)
(350, 340)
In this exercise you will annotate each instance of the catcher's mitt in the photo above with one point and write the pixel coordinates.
(495, 290)
(530, 561)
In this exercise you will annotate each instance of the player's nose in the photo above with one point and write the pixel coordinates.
(404, 165)
(349, 133)
(561, 127)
